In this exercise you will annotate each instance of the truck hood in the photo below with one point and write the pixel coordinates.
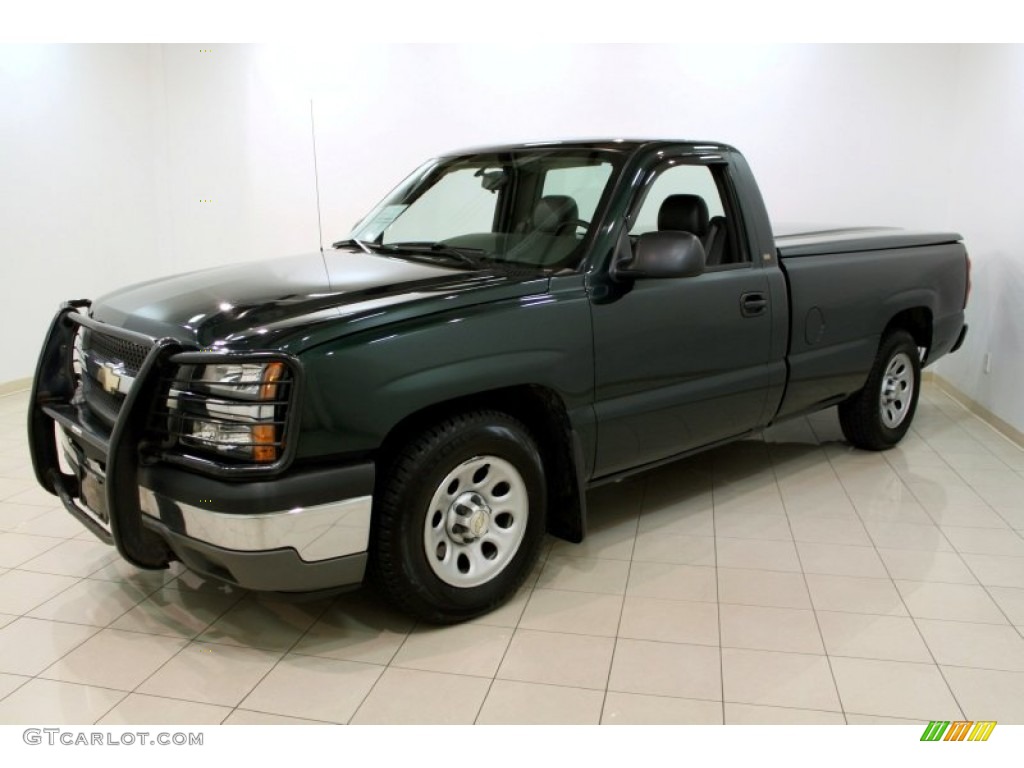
(275, 304)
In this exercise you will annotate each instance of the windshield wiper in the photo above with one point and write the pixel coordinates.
(431, 252)
(350, 242)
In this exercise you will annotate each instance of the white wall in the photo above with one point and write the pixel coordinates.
(987, 204)
(834, 133)
(77, 186)
(107, 156)
(228, 135)
(114, 147)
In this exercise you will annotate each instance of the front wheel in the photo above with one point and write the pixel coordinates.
(459, 517)
(879, 415)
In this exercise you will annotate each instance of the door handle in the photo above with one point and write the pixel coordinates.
(753, 304)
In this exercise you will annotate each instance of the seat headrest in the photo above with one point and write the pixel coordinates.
(684, 213)
(553, 211)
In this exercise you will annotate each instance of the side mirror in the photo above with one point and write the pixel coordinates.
(661, 255)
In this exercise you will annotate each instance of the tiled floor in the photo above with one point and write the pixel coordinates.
(784, 580)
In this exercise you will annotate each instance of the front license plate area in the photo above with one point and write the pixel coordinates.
(91, 482)
(94, 495)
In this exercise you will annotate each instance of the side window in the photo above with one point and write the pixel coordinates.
(583, 183)
(456, 205)
(689, 198)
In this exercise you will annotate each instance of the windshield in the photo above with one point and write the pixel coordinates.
(530, 207)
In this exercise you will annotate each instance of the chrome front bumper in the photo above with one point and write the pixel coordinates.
(320, 515)
(316, 532)
(308, 548)
(301, 548)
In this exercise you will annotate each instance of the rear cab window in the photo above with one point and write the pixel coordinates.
(584, 184)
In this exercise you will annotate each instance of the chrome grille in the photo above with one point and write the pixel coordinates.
(99, 350)
(115, 350)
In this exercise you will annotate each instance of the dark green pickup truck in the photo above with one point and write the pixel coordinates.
(511, 326)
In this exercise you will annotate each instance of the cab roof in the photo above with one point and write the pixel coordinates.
(607, 144)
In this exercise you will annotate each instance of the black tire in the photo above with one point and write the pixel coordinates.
(401, 534)
(866, 420)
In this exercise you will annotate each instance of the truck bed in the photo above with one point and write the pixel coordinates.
(839, 306)
(802, 240)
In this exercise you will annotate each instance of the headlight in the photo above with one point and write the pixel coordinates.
(235, 410)
(244, 381)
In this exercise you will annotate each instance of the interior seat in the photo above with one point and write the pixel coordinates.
(553, 234)
(555, 214)
(689, 213)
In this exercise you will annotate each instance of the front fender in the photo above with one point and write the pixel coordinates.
(360, 387)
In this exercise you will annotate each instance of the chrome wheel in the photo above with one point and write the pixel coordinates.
(897, 390)
(476, 521)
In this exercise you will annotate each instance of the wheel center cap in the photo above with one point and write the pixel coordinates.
(469, 518)
(478, 523)
(889, 390)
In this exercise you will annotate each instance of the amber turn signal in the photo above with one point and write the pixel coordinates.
(264, 436)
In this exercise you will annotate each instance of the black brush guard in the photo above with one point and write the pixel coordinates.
(53, 390)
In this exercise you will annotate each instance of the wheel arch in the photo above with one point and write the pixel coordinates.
(543, 413)
(917, 321)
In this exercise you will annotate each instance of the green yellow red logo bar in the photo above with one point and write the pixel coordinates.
(959, 730)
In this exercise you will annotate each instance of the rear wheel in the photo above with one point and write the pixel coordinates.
(459, 517)
(879, 415)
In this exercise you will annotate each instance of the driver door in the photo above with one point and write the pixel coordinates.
(681, 363)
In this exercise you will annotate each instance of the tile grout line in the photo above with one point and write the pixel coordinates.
(973, 490)
(542, 562)
(18, 687)
(674, 643)
(71, 650)
(196, 638)
(146, 595)
(60, 542)
(927, 645)
(973, 417)
(803, 572)
(960, 555)
(188, 642)
(550, 685)
(622, 606)
(984, 587)
(387, 666)
(892, 581)
(718, 594)
(935, 523)
(279, 659)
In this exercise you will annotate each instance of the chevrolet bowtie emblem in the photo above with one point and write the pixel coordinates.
(109, 380)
